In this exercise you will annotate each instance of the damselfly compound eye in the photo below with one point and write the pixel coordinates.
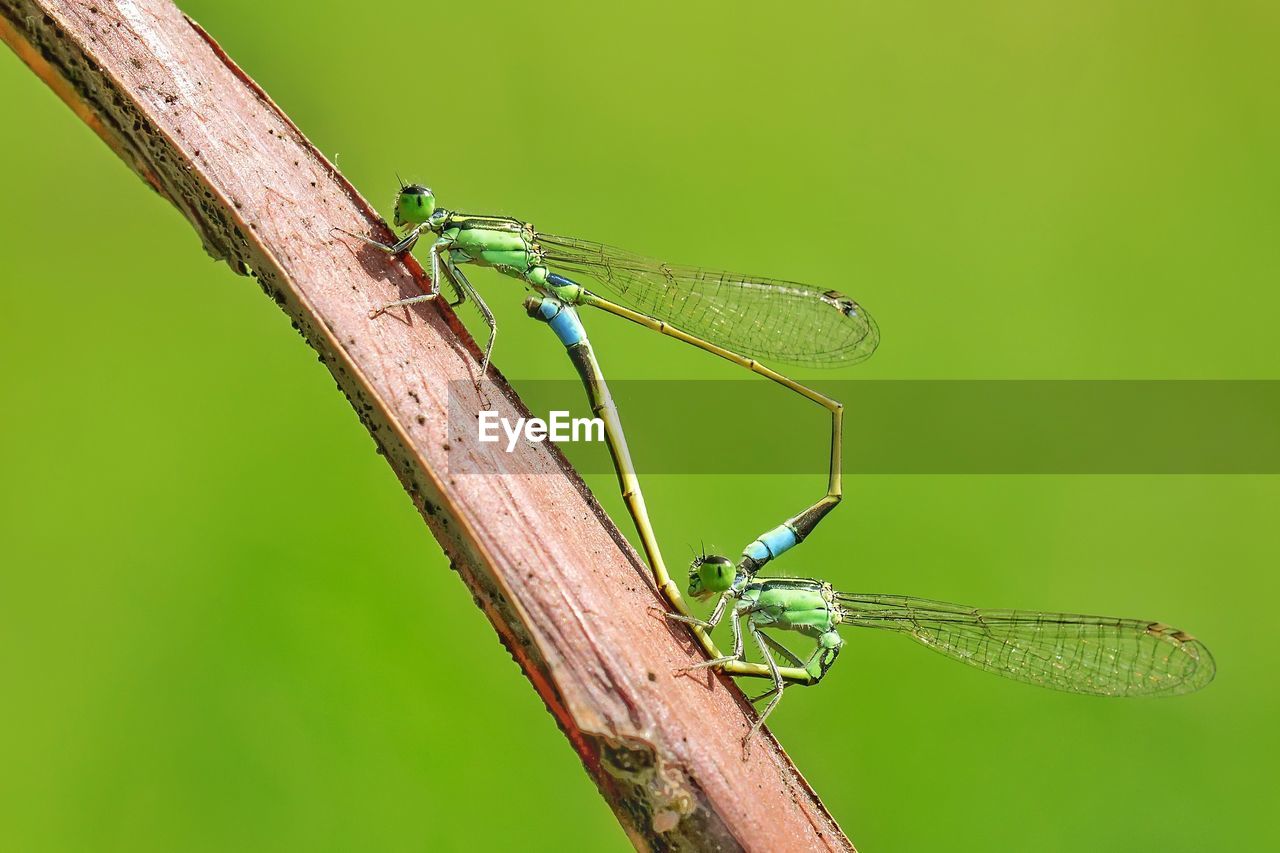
(414, 205)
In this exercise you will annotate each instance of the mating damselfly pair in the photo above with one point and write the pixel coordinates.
(747, 320)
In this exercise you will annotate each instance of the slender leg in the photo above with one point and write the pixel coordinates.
(451, 274)
(400, 247)
(764, 695)
(735, 622)
(791, 657)
(438, 263)
(778, 686)
(709, 623)
(458, 280)
(794, 530)
(441, 266)
(404, 244)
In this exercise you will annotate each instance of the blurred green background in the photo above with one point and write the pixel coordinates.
(220, 615)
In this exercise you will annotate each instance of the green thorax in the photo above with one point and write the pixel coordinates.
(793, 604)
(501, 242)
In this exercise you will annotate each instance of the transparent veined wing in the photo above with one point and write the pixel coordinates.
(763, 318)
(1100, 655)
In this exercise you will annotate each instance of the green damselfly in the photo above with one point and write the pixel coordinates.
(737, 317)
(1097, 655)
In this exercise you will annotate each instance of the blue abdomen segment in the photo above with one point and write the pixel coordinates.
(777, 541)
(563, 320)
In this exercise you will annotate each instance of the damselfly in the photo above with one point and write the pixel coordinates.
(1099, 655)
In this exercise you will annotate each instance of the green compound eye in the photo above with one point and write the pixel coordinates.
(709, 575)
(414, 205)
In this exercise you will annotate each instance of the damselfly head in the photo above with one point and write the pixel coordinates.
(710, 574)
(414, 205)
